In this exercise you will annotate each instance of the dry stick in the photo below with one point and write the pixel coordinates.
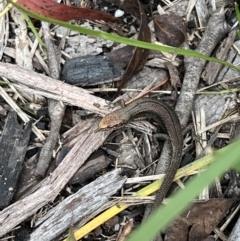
(235, 233)
(56, 108)
(215, 31)
(54, 89)
(143, 93)
(20, 113)
(212, 70)
(23, 59)
(4, 29)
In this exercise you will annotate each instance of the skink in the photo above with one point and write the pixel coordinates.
(163, 115)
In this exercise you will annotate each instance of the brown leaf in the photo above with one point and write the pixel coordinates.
(140, 55)
(170, 29)
(199, 221)
(121, 56)
(62, 12)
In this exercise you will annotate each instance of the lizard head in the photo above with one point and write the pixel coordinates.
(111, 121)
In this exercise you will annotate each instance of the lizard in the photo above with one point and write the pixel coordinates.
(168, 120)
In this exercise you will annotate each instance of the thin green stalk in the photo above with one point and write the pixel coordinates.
(29, 22)
(238, 17)
(123, 40)
(219, 92)
(225, 158)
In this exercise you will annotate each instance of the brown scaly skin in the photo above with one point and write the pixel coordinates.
(163, 115)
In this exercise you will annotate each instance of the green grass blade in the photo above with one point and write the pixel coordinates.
(224, 159)
(29, 22)
(123, 40)
(238, 17)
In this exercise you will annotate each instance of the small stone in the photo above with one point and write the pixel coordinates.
(118, 13)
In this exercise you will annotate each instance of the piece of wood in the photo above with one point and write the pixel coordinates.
(27, 178)
(56, 109)
(212, 70)
(77, 206)
(90, 70)
(52, 88)
(13, 146)
(96, 163)
(215, 31)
